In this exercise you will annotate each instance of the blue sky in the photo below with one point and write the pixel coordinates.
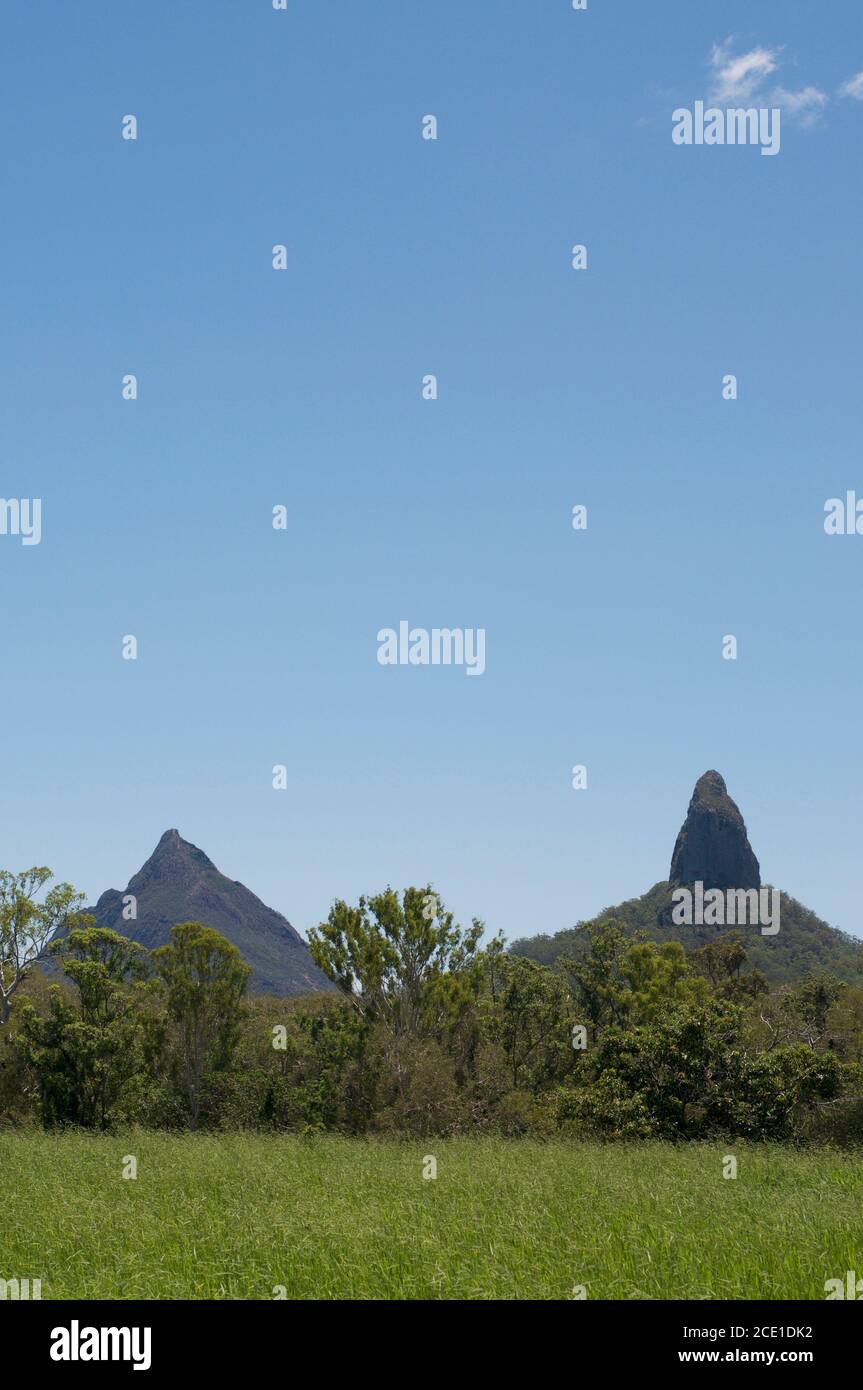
(556, 387)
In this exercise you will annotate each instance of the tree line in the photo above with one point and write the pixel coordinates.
(428, 1032)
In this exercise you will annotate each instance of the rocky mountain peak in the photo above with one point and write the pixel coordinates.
(180, 883)
(713, 847)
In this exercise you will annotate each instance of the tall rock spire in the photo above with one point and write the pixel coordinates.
(713, 847)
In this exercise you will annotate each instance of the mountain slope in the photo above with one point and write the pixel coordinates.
(713, 848)
(179, 883)
(802, 945)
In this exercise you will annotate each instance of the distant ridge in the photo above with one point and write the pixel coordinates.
(179, 883)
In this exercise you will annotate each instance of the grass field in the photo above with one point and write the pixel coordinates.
(236, 1216)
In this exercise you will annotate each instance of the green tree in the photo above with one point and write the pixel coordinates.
(722, 961)
(658, 977)
(401, 961)
(684, 1066)
(205, 978)
(598, 980)
(800, 1014)
(779, 1088)
(624, 979)
(533, 1022)
(27, 925)
(88, 1052)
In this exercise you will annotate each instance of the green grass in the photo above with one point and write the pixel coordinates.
(234, 1216)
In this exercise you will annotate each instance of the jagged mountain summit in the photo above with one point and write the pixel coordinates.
(713, 846)
(179, 883)
(713, 849)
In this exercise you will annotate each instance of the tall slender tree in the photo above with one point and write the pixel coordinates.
(205, 979)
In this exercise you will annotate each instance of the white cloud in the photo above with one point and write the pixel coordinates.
(736, 76)
(853, 87)
(741, 77)
(804, 106)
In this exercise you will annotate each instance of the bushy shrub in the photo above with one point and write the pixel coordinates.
(606, 1108)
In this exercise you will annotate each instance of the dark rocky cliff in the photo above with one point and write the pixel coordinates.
(713, 847)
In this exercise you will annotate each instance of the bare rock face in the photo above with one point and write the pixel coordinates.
(713, 847)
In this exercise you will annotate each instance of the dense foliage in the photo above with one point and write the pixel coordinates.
(428, 1032)
(804, 945)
